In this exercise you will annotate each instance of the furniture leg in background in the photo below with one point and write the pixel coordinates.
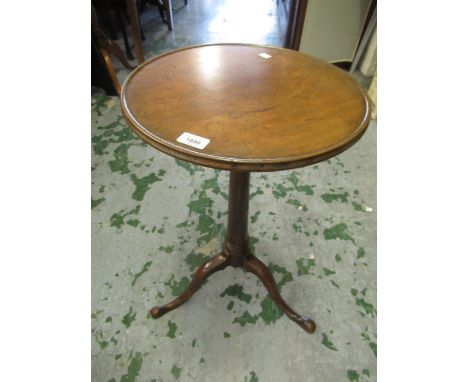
(135, 24)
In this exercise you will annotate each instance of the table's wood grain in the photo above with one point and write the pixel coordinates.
(260, 114)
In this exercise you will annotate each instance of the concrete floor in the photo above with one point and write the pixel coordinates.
(154, 219)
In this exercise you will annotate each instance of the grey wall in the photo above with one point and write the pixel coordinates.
(332, 28)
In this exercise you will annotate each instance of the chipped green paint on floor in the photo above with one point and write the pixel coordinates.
(155, 219)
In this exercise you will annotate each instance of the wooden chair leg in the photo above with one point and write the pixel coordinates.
(111, 71)
(168, 10)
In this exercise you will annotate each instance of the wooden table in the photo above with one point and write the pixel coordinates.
(243, 108)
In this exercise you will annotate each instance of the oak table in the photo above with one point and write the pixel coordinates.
(243, 108)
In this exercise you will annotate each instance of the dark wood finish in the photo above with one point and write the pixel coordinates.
(296, 24)
(135, 25)
(100, 75)
(288, 111)
(102, 47)
(236, 253)
(105, 43)
(111, 71)
(236, 243)
(259, 269)
(216, 263)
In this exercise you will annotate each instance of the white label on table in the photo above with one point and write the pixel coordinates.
(193, 140)
(265, 55)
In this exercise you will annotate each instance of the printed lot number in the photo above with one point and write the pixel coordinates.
(193, 140)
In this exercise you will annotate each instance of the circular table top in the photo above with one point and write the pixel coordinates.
(244, 107)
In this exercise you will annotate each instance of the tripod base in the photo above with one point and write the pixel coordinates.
(251, 264)
(236, 253)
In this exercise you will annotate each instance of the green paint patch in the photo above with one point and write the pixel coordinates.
(297, 227)
(191, 168)
(133, 222)
(237, 290)
(129, 318)
(143, 185)
(98, 336)
(146, 163)
(118, 219)
(297, 204)
(353, 375)
(338, 232)
(280, 191)
(328, 272)
(275, 237)
(328, 198)
(209, 229)
(95, 314)
(252, 242)
(253, 377)
(133, 369)
(120, 161)
(305, 189)
(194, 260)
(111, 135)
(367, 307)
(360, 252)
(358, 207)
(230, 305)
(226, 335)
(207, 226)
(370, 342)
(286, 276)
(172, 329)
(194, 343)
(327, 343)
(175, 371)
(245, 319)
(96, 202)
(335, 284)
(338, 258)
(304, 265)
(254, 217)
(213, 185)
(145, 268)
(100, 102)
(167, 248)
(108, 319)
(270, 312)
(177, 287)
(259, 191)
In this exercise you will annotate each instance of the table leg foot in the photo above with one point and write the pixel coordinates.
(259, 269)
(211, 266)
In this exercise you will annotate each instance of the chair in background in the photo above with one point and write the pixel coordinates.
(102, 48)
